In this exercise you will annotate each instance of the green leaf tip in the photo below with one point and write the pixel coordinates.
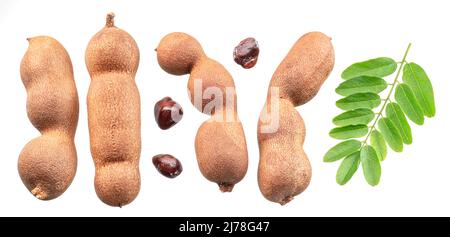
(342, 150)
(408, 102)
(359, 101)
(391, 134)
(371, 165)
(377, 67)
(348, 168)
(361, 84)
(417, 79)
(350, 131)
(396, 115)
(353, 117)
(379, 144)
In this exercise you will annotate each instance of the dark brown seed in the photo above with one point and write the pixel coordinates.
(246, 53)
(167, 165)
(167, 113)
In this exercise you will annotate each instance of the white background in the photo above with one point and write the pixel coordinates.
(414, 183)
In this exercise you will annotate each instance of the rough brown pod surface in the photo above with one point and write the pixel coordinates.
(112, 59)
(284, 170)
(303, 71)
(47, 164)
(220, 143)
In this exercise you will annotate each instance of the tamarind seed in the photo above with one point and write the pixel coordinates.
(246, 53)
(167, 113)
(167, 165)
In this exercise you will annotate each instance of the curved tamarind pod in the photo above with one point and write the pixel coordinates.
(220, 143)
(284, 169)
(47, 164)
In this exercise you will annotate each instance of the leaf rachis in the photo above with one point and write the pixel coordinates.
(389, 94)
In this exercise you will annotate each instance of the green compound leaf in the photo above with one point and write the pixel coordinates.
(350, 131)
(371, 165)
(342, 150)
(359, 101)
(347, 168)
(379, 144)
(396, 115)
(411, 98)
(377, 67)
(357, 116)
(416, 78)
(408, 102)
(391, 134)
(362, 84)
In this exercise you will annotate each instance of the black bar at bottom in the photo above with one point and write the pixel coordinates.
(226, 226)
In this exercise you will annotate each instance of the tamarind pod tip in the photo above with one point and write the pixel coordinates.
(226, 187)
(110, 19)
(39, 193)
